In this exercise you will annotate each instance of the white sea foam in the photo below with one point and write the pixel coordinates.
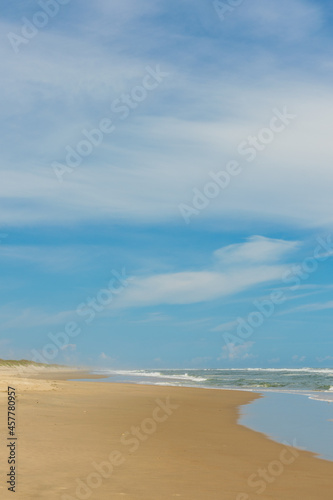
(326, 371)
(322, 397)
(143, 373)
(318, 380)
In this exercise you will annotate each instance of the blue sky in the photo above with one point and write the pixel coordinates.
(165, 169)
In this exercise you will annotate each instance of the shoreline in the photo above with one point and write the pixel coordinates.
(256, 420)
(286, 416)
(87, 373)
(259, 379)
(310, 393)
(153, 443)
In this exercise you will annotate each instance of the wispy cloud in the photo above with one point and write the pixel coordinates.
(193, 287)
(151, 169)
(318, 306)
(67, 78)
(209, 284)
(299, 359)
(257, 249)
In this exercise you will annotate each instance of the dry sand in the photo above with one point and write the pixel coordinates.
(155, 443)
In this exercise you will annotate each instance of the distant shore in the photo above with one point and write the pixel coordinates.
(80, 440)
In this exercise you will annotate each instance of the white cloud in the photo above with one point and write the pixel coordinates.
(192, 287)
(200, 286)
(298, 359)
(148, 184)
(68, 347)
(257, 249)
(165, 149)
(324, 358)
(232, 351)
(106, 357)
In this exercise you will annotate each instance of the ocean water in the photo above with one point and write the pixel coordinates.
(293, 419)
(295, 409)
(318, 381)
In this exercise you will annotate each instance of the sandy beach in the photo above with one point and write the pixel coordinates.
(80, 440)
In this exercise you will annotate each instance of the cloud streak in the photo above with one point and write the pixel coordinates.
(256, 250)
(192, 287)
